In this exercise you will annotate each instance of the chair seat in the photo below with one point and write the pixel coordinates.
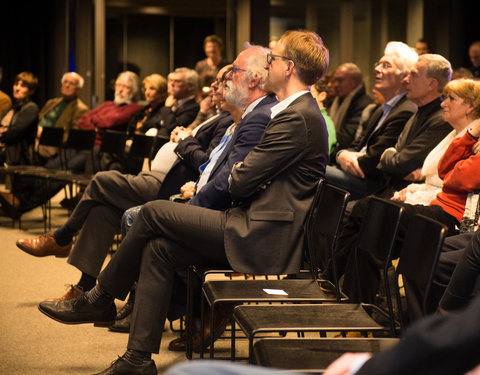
(253, 291)
(304, 317)
(313, 354)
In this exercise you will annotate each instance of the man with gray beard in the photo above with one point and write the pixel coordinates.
(114, 115)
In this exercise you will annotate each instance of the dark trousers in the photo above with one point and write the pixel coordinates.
(464, 278)
(165, 236)
(363, 286)
(100, 211)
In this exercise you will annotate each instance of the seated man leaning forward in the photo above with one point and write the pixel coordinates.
(272, 190)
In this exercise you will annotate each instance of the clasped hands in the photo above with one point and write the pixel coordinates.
(348, 161)
(180, 133)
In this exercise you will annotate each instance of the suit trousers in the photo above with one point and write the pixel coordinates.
(100, 210)
(464, 280)
(165, 236)
(362, 286)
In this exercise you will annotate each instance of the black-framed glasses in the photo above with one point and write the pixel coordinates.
(271, 57)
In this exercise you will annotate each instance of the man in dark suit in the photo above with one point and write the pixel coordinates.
(356, 169)
(110, 193)
(180, 107)
(349, 103)
(272, 190)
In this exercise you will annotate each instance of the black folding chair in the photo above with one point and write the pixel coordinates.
(320, 233)
(417, 263)
(377, 235)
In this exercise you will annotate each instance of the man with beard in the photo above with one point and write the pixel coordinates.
(114, 114)
(272, 190)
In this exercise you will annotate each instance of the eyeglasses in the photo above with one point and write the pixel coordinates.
(234, 70)
(271, 57)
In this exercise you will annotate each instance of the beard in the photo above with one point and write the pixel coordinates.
(122, 99)
(237, 94)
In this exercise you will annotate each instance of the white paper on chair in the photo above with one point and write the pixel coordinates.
(278, 292)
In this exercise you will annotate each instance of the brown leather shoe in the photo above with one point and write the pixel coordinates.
(10, 198)
(72, 292)
(222, 318)
(43, 246)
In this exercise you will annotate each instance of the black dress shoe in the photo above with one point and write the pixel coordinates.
(122, 320)
(78, 310)
(122, 367)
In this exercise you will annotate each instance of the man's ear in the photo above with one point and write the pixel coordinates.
(253, 83)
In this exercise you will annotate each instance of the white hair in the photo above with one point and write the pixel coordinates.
(77, 76)
(404, 56)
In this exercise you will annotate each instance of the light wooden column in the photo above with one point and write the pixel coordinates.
(99, 48)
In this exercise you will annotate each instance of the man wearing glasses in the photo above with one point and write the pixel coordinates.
(272, 190)
(356, 169)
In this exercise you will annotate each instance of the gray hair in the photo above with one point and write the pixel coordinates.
(191, 78)
(134, 83)
(255, 65)
(439, 68)
(77, 76)
(405, 57)
(353, 70)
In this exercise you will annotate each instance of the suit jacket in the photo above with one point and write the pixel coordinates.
(193, 152)
(182, 116)
(264, 232)
(349, 125)
(68, 119)
(215, 194)
(421, 134)
(439, 345)
(386, 136)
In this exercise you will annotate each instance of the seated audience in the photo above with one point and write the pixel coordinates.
(425, 129)
(350, 100)
(356, 169)
(461, 73)
(457, 170)
(319, 92)
(110, 193)
(62, 112)
(18, 123)
(208, 67)
(287, 163)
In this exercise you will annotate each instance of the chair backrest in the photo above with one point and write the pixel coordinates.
(113, 142)
(141, 146)
(51, 136)
(377, 236)
(323, 226)
(79, 139)
(417, 263)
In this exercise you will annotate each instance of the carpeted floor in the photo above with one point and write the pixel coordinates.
(31, 343)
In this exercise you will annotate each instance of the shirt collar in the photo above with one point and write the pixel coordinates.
(252, 106)
(387, 107)
(277, 108)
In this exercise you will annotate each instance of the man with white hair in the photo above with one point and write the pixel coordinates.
(356, 169)
(114, 114)
(62, 112)
(350, 100)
